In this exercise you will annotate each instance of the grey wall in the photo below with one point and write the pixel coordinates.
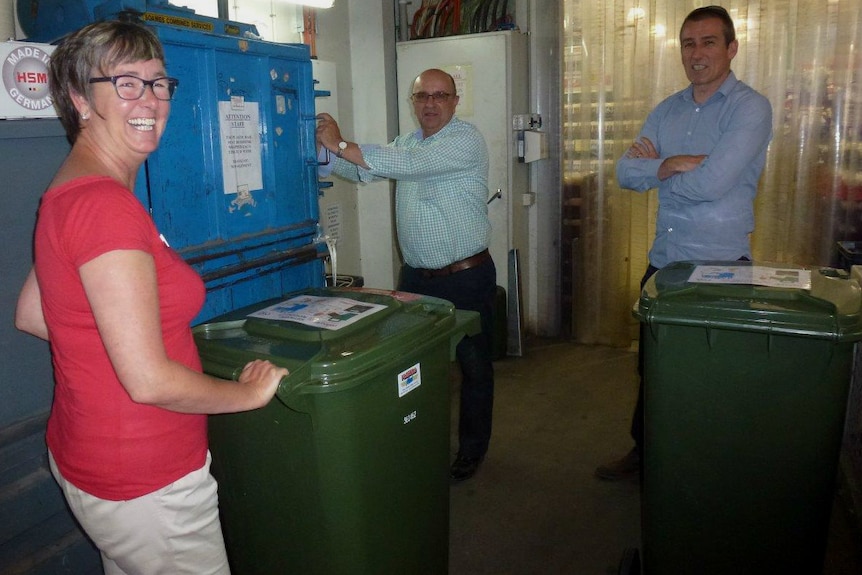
(38, 535)
(30, 153)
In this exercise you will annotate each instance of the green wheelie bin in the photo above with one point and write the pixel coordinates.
(345, 471)
(747, 371)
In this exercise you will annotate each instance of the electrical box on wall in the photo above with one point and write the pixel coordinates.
(25, 91)
(535, 145)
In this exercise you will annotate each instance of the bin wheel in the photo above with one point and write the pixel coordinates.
(630, 564)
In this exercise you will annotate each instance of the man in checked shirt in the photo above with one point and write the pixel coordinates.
(443, 231)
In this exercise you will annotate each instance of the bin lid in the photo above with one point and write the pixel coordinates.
(357, 330)
(755, 296)
(850, 249)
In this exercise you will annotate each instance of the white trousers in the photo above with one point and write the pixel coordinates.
(172, 531)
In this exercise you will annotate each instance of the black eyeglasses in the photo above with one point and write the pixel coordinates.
(132, 87)
(422, 97)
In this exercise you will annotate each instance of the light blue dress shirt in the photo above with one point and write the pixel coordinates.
(441, 193)
(707, 213)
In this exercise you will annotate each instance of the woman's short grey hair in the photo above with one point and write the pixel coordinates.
(88, 53)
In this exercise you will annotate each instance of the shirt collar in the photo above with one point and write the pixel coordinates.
(726, 87)
(418, 133)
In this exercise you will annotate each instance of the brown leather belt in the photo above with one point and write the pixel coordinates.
(458, 266)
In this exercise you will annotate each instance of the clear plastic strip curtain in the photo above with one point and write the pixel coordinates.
(621, 57)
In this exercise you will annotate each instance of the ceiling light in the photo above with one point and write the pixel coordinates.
(635, 14)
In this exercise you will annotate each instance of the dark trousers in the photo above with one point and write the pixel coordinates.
(472, 289)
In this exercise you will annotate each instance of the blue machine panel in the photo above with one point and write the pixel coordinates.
(233, 185)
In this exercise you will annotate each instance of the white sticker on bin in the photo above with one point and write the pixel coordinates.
(409, 379)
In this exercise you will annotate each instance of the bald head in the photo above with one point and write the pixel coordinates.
(434, 100)
(438, 74)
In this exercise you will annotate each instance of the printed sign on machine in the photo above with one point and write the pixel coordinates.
(25, 91)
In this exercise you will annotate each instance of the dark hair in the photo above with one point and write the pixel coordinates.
(707, 12)
(90, 51)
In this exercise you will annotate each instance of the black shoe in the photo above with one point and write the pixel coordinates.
(464, 467)
(627, 467)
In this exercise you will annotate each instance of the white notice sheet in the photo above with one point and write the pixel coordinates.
(754, 275)
(319, 311)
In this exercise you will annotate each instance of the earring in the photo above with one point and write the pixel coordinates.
(85, 115)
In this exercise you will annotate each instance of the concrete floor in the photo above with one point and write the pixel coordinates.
(535, 507)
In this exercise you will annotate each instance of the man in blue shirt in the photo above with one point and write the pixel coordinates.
(704, 148)
(443, 231)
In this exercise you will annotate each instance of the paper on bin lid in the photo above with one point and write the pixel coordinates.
(834, 286)
(322, 312)
(770, 276)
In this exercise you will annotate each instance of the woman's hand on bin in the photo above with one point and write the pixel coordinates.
(263, 377)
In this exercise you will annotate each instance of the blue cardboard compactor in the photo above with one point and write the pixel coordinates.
(233, 186)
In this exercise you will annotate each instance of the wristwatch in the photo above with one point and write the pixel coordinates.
(341, 147)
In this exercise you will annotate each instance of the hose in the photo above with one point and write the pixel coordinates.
(423, 20)
(449, 18)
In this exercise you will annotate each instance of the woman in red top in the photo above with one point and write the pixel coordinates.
(127, 433)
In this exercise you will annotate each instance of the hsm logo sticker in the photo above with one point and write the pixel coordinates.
(25, 77)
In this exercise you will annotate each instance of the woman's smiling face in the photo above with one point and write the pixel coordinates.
(135, 126)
